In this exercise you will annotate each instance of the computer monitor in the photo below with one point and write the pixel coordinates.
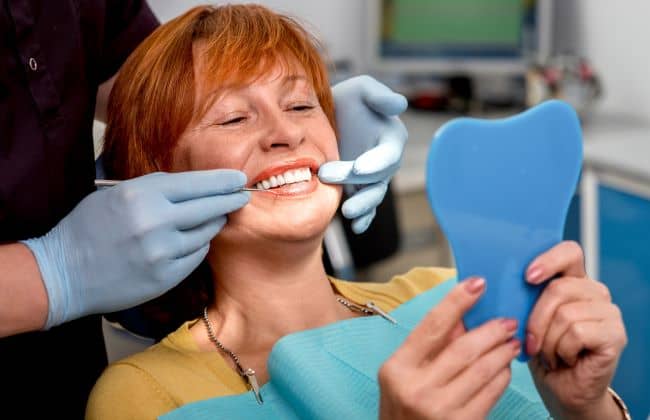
(451, 37)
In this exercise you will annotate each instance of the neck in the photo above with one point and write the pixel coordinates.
(266, 292)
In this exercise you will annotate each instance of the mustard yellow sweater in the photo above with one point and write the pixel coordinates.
(175, 372)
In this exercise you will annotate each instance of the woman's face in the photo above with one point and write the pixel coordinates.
(274, 131)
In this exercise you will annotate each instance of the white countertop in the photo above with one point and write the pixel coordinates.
(618, 145)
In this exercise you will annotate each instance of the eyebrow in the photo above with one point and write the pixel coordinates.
(212, 97)
(292, 78)
(215, 93)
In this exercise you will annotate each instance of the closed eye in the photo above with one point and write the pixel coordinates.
(232, 121)
(302, 108)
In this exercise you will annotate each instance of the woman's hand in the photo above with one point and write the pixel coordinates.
(576, 335)
(442, 371)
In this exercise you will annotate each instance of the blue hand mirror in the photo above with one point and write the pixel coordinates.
(500, 191)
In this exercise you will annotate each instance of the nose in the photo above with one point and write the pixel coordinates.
(283, 132)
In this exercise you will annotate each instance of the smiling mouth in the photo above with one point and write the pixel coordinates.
(289, 177)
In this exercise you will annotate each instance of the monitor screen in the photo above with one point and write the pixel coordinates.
(452, 35)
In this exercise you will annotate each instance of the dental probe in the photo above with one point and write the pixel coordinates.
(112, 182)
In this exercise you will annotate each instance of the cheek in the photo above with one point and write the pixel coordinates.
(205, 154)
(328, 142)
(207, 158)
(333, 150)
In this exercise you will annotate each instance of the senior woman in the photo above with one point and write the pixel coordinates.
(240, 87)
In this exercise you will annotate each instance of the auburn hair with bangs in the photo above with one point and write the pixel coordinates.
(154, 98)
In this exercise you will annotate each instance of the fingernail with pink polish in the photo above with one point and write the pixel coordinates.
(531, 344)
(475, 285)
(534, 274)
(516, 346)
(509, 324)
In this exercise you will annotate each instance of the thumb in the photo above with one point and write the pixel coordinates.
(336, 172)
(381, 99)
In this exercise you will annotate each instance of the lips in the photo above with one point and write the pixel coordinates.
(282, 167)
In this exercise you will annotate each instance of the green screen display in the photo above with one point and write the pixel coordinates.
(496, 23)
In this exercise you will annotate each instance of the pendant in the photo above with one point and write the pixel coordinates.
(376, 309)
(252, 381)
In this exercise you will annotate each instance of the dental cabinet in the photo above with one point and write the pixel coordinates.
(610, 217)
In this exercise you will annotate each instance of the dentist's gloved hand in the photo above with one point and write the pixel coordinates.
(129, 243)
(371, 142)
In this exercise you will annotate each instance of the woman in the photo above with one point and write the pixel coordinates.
(262, 105)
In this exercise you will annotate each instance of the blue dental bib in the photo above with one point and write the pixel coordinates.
(331, 373)
(500, 190)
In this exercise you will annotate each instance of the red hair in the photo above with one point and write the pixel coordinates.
(154, 97)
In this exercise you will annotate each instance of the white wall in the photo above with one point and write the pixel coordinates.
(337, 23)
(615, 36)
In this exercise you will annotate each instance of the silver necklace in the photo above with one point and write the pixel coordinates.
(249, 374)
(369, 309)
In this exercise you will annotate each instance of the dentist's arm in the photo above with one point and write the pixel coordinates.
(371, 142)
(118, 248)
(23, 299)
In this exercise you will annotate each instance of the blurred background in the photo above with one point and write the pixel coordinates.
(492, 59)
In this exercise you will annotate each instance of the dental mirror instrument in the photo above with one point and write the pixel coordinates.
(112, 182)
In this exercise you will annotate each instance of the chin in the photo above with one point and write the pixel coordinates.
(284, 219)
(299, 229)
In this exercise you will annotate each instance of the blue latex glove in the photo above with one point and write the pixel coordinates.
(372, 139)
(129, 243)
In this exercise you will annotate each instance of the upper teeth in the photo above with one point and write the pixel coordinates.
(289, 177)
